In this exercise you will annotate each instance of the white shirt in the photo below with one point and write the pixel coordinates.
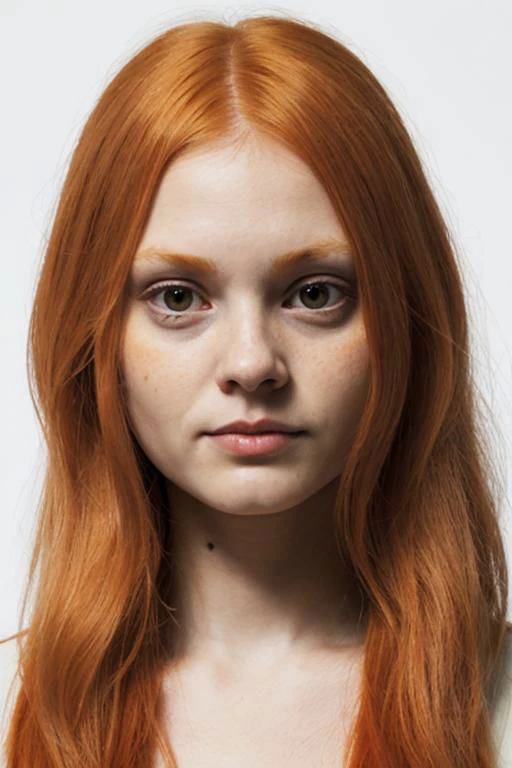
(501, 708)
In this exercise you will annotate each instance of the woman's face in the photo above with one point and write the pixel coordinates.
(243, 342)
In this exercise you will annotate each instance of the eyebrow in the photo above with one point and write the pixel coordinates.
(282, 264)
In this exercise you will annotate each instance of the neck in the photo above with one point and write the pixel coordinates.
(268, 585)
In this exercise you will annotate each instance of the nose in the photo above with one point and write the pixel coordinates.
(249, 354)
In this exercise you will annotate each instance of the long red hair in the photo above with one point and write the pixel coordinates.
(417, 509)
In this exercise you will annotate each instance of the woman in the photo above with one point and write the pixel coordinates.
(246, 234)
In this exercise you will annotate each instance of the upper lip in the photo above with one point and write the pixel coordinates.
(263, 425)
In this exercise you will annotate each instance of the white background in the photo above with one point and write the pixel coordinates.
(447, 65)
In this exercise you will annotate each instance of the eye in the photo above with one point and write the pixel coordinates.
(177, 298)
(318, 291)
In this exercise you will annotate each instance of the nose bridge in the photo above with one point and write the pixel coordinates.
(248, 352)
(249, 324)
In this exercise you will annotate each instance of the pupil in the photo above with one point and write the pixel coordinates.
(177, 295)
(316, 290)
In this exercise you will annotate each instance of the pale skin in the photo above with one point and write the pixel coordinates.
(270, 622)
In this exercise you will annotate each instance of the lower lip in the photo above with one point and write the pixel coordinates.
(254, 445)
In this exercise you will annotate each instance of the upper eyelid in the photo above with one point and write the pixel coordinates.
(161, 284)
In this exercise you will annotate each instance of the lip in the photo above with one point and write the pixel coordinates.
(256, 427)
(243, 444)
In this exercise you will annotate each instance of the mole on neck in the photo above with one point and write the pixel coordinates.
(210, 545)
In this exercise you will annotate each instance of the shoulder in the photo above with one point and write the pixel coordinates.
(8, 685)
(501, 703)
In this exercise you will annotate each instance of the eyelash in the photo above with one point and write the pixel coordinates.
(167, 319)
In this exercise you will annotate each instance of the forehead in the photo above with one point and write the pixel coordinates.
(258, 199)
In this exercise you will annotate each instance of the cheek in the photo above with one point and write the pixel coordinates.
(142, 369)
(345, 383)
(148, 378)
(356, 366)
(152, 372)
(152, 397)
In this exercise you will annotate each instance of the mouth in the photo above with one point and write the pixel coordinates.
(255, 443)
(255, 434)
